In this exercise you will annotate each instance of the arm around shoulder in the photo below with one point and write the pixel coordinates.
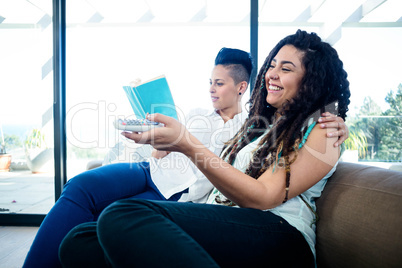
(315, 159)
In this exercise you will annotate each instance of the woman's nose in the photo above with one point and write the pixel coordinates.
(272, 75)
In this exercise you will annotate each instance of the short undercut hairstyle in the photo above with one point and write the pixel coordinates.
(239, 63)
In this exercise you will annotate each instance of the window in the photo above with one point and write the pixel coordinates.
(368, 37)
(110, 44)
(26, 107)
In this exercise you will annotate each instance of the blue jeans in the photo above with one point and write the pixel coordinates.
(83, 198)
(143, 233)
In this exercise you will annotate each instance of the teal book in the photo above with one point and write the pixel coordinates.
(153, 96)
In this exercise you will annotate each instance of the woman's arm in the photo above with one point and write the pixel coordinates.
(315, 159)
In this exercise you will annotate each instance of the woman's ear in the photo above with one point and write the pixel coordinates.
(243, 87)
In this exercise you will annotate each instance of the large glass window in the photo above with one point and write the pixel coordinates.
(26, 107)
(368, 37)
(110, 44)
(372, 58)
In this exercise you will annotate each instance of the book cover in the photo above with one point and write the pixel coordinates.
(153, 96)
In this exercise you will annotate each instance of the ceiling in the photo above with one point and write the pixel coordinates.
(329, 15)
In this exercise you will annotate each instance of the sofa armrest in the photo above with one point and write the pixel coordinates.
(94, 164)
(360, 222)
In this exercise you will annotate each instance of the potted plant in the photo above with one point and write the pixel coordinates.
(5, 158)
(39, 156)
(355, 146)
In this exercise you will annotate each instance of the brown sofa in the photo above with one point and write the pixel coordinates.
(360, 222)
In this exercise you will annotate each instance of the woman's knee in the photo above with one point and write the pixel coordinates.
(80, 248)
(81, 186)
(115, 215)
(122, 216)
(71, 246)
(82, 180)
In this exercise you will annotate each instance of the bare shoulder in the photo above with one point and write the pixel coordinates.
(319, 146)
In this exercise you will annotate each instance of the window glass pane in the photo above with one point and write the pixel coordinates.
(368, 39)
(26, 107)
(372, 59)
(110, 44)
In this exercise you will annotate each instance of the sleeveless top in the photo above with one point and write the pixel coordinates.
(295, 211)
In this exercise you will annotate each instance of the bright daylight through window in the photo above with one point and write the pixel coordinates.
(112, 43)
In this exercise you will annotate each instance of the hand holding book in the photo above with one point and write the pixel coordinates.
(151, 97)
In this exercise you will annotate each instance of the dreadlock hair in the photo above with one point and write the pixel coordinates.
(239, 63)
(323, 86)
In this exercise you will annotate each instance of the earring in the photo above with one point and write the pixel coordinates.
(239, 93)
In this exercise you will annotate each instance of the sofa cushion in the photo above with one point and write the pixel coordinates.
(360, 218)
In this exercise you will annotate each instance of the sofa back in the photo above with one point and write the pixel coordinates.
(360, 218)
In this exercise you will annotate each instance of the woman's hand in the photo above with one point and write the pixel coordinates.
(173, 137)
(329, 120)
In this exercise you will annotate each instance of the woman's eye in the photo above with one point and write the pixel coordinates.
(285, 69)
(219, 84)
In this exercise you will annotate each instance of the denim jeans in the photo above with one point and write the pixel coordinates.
(143, 233)
(83, 198)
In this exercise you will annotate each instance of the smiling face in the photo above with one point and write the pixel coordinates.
(224, 92)
(284, 76)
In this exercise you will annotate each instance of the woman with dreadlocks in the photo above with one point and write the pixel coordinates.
(262, 210)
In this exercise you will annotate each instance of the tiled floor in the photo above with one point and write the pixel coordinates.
(21, 191)
(25, 192)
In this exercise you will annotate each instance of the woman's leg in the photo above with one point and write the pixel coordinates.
(83, 199)
(154, 233)
(92, 256)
